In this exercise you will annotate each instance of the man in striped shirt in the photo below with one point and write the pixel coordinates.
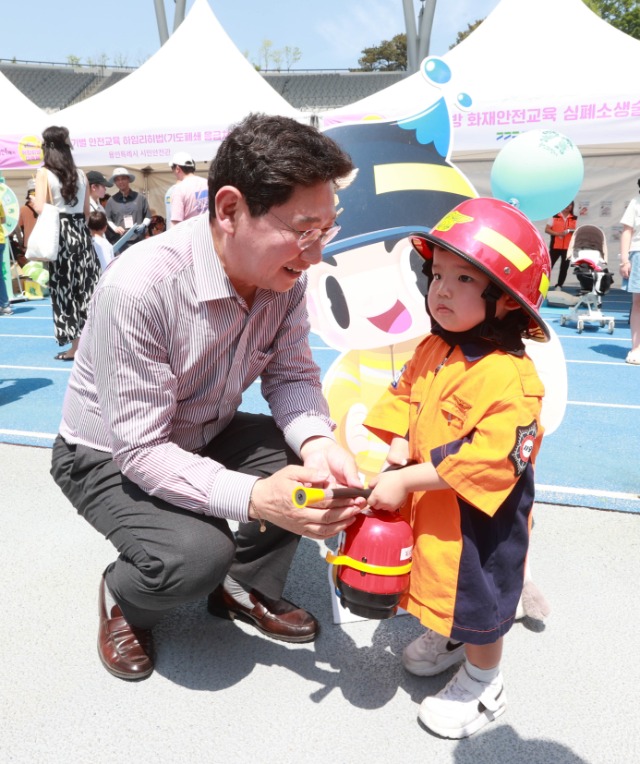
(152, 449)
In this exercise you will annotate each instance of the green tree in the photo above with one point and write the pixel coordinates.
(265, 53)
(621, 14)
(466, 32)
(391, 55)
(120, 60)
(388, 56)
(291, 56)
(276, 57)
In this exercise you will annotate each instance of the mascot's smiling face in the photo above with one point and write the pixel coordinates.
(369, 297)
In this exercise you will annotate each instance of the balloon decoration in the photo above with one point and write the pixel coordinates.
(32, 269)
(36, 271)
(539, 172)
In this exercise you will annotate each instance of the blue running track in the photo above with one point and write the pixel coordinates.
(589, 461)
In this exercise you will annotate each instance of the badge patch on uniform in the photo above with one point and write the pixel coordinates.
(523, 448)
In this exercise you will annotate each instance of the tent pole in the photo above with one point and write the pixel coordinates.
(179, 14)
(161, 18)
(424, 33)
(412, 41)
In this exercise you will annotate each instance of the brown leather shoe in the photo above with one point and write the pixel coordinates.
(126, 652)
(278, 619)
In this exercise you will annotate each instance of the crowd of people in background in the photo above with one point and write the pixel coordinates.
(113, 215)
(96, 225)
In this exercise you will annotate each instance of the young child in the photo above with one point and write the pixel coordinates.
(467, 409)
(98, 226)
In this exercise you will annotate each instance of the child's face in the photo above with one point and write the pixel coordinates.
(455, 295)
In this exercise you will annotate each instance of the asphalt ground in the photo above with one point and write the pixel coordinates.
(221, 692)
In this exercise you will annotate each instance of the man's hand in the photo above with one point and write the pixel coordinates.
(332, 461)
(272, 501)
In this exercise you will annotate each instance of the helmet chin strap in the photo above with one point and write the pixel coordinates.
(491, 294)
(504, 333)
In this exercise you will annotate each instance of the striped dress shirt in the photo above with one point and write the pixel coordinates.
(165, 355)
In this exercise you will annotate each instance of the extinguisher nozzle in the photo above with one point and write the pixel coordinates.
(303, 496)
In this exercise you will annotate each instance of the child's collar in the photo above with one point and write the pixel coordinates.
(487, 336)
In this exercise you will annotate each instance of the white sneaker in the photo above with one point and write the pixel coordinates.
(431, 654)
(464, 706)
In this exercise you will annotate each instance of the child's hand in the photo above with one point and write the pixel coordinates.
(389, 492)
(398, 452)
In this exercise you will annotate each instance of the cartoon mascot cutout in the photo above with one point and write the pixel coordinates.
(367, 297)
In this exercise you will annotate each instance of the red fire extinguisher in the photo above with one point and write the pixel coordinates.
(373, 563)
(373, 559)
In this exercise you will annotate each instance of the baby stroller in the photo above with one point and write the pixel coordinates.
(588, 255)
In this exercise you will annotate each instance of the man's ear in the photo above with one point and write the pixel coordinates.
(227, 205)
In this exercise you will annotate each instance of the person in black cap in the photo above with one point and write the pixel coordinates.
(98, 186)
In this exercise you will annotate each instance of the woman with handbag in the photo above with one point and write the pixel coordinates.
(74, 273)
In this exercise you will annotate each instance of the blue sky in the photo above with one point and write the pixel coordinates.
(329, 33)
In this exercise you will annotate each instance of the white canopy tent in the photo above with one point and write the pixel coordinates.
(549, 64)
(554, 65)
(20, 127)
(182, 99)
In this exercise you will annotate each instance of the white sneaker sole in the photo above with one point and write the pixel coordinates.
(444, 726)
(422, 668)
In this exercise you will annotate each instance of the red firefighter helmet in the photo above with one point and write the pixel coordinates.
(501, 242)
(374, 560)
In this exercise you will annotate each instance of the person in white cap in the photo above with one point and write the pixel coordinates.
(126, 208)
(189, 196)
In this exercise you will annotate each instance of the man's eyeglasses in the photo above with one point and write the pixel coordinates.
(312, 235)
